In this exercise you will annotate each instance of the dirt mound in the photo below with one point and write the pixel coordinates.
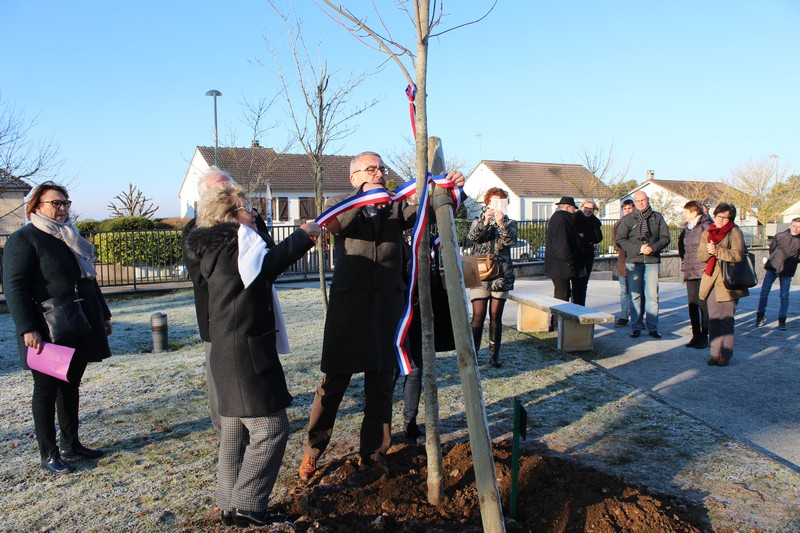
(554, 495)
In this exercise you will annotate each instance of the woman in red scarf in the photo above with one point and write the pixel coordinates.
(723, 241)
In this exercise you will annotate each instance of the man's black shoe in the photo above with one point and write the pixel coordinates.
(82, 452)
(655, 334)
(412, 431)
(226, 517)
(256, 518)
(57, 465)
(635, 334)
(621, 323)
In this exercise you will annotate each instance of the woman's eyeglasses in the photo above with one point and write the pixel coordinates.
(247, 207)
(58, 204)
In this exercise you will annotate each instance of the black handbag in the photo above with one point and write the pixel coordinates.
(742, 275)
(64, 317)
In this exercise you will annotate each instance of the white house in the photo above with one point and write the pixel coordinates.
(793, 211)
(286, 181)
(669, 196)
(534, 188)
(12, 202)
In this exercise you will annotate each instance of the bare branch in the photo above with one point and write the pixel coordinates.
(133, 203)
(466, 23)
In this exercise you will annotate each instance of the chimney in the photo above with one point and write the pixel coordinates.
(651, 175)
(256, 144)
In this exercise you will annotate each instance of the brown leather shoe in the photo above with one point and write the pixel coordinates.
(378, 462)
(307, 467)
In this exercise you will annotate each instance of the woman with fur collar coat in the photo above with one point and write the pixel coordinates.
(247, 334)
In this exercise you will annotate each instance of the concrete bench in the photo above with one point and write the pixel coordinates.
(575, 322)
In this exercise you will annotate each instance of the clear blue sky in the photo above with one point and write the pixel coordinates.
(690, 89)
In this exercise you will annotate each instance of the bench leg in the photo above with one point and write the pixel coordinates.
(574, 337)
(531, 320)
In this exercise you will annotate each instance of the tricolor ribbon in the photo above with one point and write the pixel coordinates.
(401, 193)
(411, 93)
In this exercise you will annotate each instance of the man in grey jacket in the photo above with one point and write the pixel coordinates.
(784, 251)
(643, 235)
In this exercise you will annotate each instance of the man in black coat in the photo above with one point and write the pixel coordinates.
(367, 299)
(563, 261)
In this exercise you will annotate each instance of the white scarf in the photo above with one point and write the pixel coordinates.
(252, 251)
(82, 249)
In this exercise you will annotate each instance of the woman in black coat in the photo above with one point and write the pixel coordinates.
(45, 259)
(247, 333)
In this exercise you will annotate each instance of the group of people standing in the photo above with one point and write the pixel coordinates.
(233, 266)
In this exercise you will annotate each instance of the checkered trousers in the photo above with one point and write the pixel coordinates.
(250, 455)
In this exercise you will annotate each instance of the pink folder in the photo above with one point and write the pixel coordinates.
(53, 360)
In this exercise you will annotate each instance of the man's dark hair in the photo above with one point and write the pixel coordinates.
(627, 201)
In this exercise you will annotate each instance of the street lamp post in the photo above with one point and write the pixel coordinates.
(215, 93)
(775, 157)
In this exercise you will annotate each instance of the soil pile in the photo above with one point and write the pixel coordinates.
(554, 496)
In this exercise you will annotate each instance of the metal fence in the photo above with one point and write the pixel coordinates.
(146, 257)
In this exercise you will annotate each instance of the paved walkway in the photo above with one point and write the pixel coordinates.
(756, 399)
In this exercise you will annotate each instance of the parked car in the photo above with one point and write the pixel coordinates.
(522, 250)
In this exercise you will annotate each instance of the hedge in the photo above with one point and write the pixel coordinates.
(158, 248)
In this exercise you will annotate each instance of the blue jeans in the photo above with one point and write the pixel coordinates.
(766, 286)
(624, 299)
(643, 283)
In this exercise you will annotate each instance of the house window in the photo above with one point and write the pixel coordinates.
(307, 208)
(280, 209)
(542, 211)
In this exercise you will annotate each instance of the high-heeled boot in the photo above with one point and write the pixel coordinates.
(495, 339)
(477, 333)
(702, 340)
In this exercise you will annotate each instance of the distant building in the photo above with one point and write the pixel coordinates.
(793, 211)
(12, 202)
(669, 196)
(534, 188)
(286, 181)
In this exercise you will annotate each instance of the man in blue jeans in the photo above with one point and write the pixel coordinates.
(643, 235)
(784, 251)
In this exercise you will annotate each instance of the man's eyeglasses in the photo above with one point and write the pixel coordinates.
(58, 204)
(373, 170)
(247, 207)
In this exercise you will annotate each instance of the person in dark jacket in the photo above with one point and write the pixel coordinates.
(367, 299)
(239, 267)
(622, 274)
(781, 264)
(492, 232)
(211, 179)
(44, 259)
(563, 257)
(692, 268)
(590, 231)
(643, 235)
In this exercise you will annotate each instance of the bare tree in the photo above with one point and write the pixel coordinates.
(23, 157)
(762, 188)
(608, 181)
(322, 115)
(425, 16)
(404, 161)
(132, 203)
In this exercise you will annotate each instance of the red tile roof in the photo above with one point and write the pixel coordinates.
(547, 179)
(285, 172)
(711, 191)
(12, 183)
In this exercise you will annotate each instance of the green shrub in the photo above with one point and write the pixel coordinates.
(126, 223)
(171, 222)
(87, 226)
(156, 248)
